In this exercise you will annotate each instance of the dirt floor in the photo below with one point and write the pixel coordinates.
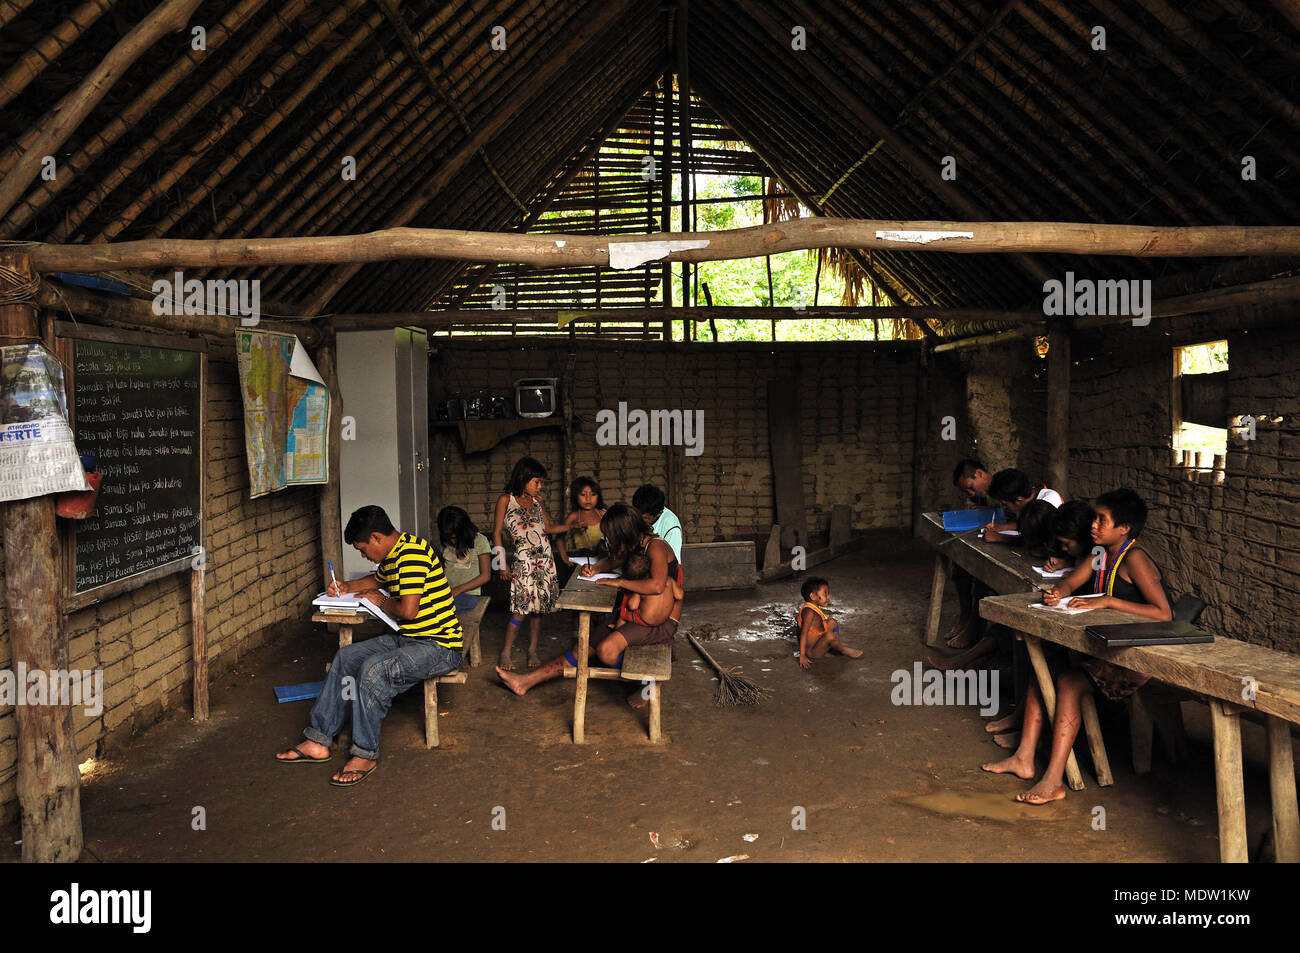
(876, 782)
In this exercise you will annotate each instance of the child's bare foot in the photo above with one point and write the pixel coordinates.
(1021, 767)
(1005, 723)
(504, 662)
(513, 682)
(534, 660)
(961, 635)
(850, 653)
(1042, 793)
(637, 699)
(1008, 739)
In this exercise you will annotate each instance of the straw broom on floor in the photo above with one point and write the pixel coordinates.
(733, 688)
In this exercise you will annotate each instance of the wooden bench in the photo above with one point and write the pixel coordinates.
(469, 621)
(647, 664)
(1218, 673)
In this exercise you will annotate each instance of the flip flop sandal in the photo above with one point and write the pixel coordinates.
(302, 758)
(347, 784)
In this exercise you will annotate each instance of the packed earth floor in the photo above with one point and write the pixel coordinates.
(876, 782)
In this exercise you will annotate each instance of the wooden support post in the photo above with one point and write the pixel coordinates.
(920, 436)
(1096, 744)
(49, 784)
(1046, 687)
(1141, 733)
(331, 529)
(1228, 783)
(655, 710)
(199, 639)
(580, 690)
(1281, 778)
(937, 584)
(1058, 408)
(431, 739)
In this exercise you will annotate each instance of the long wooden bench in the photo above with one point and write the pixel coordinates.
(647, 664)
(1230, 676)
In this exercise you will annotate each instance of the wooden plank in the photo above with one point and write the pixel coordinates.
(451, 678)
(595, 671)
(726, 565)
(586, 596)
(937, 584)
(1228, 785)
(648, 661)
(1219, 669)
(815, 558)
(1047, 688)
(785, 444)
(1281, 778)
(1204, 399)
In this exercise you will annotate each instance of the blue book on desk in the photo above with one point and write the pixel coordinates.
(959, 521)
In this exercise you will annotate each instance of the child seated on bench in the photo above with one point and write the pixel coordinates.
(818, 632)
(1072, 534)
(1128, 580)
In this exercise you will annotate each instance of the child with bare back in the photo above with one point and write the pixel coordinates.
(818, 632)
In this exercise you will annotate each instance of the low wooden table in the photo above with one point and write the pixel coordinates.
(1002, 567)
(584, 598)
(1217, 671)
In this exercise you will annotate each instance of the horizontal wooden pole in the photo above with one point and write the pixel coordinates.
(549, 316)
(554, 251)
(122, 311)
(1274, 291)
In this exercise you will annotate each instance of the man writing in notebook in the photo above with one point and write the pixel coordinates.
(365, 677)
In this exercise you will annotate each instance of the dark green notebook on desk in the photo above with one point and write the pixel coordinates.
(1148, 633)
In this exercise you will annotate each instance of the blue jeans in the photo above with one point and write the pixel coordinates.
(465, 602)
(364, 679)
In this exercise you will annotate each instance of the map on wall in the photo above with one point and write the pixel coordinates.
(286, 412)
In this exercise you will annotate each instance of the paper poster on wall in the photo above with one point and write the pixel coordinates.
(286, 412)
(38, 454)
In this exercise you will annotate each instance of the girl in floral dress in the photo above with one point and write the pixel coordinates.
(534, 586)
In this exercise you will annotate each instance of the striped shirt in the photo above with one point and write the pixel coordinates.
(412, 567)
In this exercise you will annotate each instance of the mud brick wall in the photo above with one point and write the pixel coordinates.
(858, 401)
(1235, 544)
(263, 568)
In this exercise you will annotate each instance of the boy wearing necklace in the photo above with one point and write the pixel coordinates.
(1129, 581)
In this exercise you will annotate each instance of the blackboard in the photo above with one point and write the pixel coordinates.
(136, 403)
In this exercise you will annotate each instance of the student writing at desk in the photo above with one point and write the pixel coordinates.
(1127, 580)
(365, 677)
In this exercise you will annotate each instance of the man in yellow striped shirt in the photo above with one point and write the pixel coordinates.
(365, 677)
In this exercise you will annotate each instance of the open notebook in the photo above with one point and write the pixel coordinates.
(327, 603)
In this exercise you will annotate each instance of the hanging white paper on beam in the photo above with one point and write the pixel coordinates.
(623, 255)
(919, 238)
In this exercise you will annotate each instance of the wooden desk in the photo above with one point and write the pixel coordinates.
(1002, 567)
(584, 598)
(1219, 671)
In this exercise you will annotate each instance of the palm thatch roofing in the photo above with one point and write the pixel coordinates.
(477, 114)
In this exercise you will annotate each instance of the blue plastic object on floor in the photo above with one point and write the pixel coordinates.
(297, 693)
(959, 521)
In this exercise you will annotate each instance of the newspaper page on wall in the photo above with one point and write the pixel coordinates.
(286, 412)
(38, 454)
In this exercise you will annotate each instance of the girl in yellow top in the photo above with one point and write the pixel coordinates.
(818, 632)
(584, 522)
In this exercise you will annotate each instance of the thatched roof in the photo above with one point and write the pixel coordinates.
(248, 137)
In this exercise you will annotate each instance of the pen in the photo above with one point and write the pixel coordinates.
(332, 577)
